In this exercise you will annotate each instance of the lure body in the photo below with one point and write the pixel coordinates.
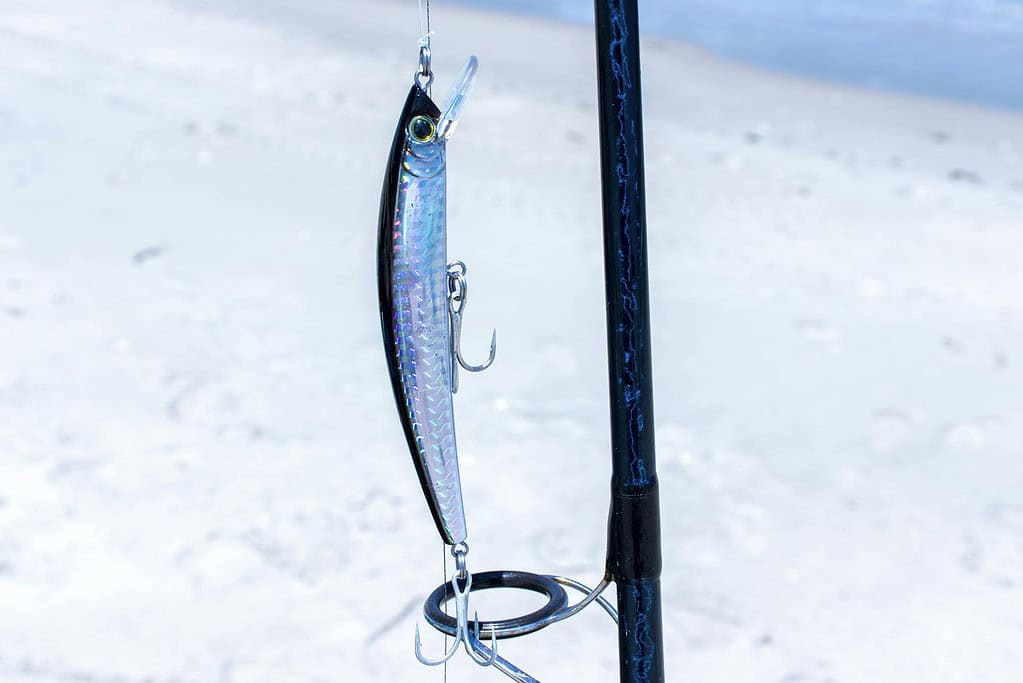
(413, 290)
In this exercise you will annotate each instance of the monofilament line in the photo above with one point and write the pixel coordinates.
(443, 551)
(424, 45)
(424, 35)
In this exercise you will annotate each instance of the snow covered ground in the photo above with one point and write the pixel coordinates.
(202, 476)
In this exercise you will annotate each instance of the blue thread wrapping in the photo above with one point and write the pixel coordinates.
(633, 530)
(627, 148)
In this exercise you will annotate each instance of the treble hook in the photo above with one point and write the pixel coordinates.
(476, 650)
(458, 294)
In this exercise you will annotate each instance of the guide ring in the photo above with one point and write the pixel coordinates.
(557, 600)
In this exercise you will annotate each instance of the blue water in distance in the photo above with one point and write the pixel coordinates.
(969, 50)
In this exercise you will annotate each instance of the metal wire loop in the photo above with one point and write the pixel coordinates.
(458, 286)
(459, 552)
(423, 80)
(425, 60)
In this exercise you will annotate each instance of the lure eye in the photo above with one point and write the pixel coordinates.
(422, 129)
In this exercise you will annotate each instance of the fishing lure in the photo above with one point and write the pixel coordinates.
(422, 297)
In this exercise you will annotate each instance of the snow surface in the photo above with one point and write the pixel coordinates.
(203, 478)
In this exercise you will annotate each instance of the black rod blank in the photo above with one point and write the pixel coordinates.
(634, 538)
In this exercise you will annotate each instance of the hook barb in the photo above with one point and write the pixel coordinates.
(469, 367)
(476, 649)
(433, 662)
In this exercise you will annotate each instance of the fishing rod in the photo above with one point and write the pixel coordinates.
(422, 298)
(634, 527)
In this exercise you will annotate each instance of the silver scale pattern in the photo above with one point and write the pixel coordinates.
(422, 332)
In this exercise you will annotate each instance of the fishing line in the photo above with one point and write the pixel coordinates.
(424, 36)
(424, 66)
(425, 75)
(444, 575)
(424, 41)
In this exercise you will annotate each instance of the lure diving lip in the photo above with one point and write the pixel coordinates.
(413, 284)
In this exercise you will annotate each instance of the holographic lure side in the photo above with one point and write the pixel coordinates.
(413, 290)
